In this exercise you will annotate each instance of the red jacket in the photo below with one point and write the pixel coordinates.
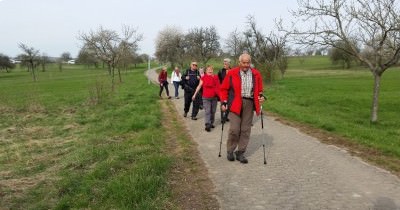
(232, 85)
(162, 77)
(210, 86)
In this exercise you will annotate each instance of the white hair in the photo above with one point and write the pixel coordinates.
(244, 54)
(227, 60)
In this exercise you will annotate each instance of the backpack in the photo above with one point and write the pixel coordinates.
(183, 83)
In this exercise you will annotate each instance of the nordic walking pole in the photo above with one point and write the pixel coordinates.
(262, 129)
(222, 132)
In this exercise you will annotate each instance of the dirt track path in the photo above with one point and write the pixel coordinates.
(301, 172)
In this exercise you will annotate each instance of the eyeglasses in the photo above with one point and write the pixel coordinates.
(194, 64)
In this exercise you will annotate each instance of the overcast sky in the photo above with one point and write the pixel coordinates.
(52, 26)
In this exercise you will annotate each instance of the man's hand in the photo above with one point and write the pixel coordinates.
(261, 98)
(224, 106)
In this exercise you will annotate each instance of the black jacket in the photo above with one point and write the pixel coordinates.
(191, 84)
(221, 75)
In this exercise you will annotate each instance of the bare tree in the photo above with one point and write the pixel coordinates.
(374, 25)
(337, 55)
(109, 47)
(142, 58)
(235, 43)
(87, 57)
(300, 54)
(30, 58)
(5, 63)
(268, 52)
(203, 43)
(170, 46)
(65, 56)
(44, 60)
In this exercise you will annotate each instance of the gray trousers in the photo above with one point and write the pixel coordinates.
(240, 127)
(210, 107)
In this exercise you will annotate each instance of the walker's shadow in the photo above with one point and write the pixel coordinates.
(256, 142)
(383, 203)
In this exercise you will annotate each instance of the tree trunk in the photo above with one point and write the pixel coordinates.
(119, 75)
(33, 73)
(375, 99)
(112, 78)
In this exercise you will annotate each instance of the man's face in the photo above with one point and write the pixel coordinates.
(226, 65)
(245, 63)
(194, 65)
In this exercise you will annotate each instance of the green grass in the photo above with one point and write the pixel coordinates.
(339, 101)
(61, 150)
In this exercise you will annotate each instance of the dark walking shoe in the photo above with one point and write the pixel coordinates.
(185, 114)
(240, 157)
(230, 156)
(208, 127)
(243, 159)
(169, 97)
(212, 126)
(194, 118)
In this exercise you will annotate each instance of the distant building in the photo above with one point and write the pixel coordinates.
(71, 62)
(14, 61)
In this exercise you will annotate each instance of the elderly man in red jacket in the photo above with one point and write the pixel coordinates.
(246, 87)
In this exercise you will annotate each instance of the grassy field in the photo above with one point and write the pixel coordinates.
(339, 101)
(67, 142)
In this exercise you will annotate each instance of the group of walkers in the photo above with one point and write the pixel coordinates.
(239, 90)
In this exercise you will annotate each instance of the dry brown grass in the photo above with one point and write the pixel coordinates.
(191, 187)
(30, 153)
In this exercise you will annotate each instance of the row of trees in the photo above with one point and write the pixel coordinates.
(31, 59)
(102, 46)
(177, 48)
(268, 51)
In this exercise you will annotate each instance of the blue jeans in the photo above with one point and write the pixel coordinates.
(176, 85)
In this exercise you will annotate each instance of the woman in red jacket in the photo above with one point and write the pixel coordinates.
(246, 87)
(210, 84)
(163, 80)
